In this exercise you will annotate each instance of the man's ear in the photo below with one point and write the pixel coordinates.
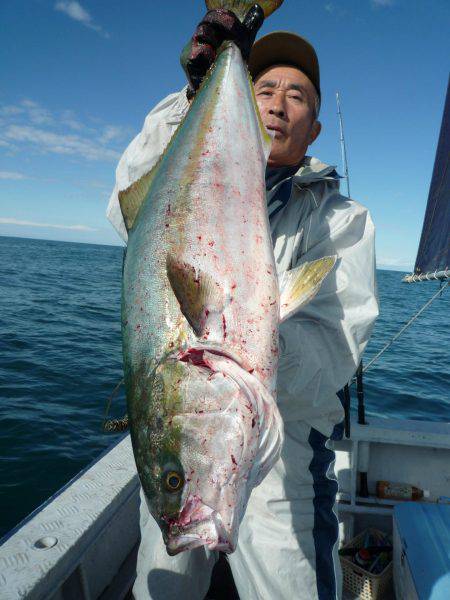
(315, 131)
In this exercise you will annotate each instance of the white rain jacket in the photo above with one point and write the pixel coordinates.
(322, 343)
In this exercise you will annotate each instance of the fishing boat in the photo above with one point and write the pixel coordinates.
(82, 542)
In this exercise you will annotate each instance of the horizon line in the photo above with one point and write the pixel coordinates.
(380, 266)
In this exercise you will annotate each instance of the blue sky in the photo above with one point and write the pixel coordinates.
(78, 79)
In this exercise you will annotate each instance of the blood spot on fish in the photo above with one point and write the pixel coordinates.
(253, 422)
(251, 370)
(167, 224)
(234, 286)
(224, 326)
(199, 237)
(211, 243)
(206, 312)
(273, 303)
(195, 357)
(233, 460)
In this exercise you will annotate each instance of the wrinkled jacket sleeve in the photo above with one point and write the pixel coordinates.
(144, 151)
(321, 345)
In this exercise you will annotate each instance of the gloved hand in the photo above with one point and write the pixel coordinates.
(216, 27)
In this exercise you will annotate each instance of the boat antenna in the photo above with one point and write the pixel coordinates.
(342, 141)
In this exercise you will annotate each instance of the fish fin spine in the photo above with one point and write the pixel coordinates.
(300, 285)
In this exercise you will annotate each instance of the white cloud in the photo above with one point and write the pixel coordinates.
(69, 119)
(8, 110)
(75, 11)
(57, 143)
(7, 221)
(329, 7)
(113, 132)
(12, 175)
(37, 114)
(29, 127)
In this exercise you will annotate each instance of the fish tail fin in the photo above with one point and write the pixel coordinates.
(241, 7)
(300, 285)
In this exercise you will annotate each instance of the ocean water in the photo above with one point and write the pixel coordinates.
(60, 359)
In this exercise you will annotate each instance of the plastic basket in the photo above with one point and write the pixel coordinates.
(360, 583)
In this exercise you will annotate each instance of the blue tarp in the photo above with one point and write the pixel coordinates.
(424, 530)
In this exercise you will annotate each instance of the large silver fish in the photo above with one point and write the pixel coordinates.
(200, 313)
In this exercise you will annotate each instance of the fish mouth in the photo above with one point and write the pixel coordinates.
(197, 525)
(209, 533)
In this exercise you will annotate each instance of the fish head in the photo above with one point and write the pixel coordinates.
(200, 465)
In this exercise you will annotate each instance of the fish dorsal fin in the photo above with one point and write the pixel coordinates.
(300, 285)
(132, 198)
(241, 7)
(202, 300)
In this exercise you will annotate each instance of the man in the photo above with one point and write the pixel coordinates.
(288, 538)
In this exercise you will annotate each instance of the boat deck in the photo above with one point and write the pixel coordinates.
(83, 542)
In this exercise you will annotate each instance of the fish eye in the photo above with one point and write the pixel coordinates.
(173, 481)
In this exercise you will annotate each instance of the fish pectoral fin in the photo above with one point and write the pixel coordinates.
(132, 198)
(199, 296)
(300, 285)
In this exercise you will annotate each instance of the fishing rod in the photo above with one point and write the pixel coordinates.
(342, 143)
(346, 390)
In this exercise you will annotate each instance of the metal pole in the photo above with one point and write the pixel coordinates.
(347, 401)
(342, 140)
(360, 394)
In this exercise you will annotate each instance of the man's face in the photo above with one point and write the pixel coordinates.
(286, 101)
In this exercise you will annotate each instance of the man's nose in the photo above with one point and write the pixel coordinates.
(278, 107)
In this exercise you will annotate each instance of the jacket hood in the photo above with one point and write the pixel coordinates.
(312, 170)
